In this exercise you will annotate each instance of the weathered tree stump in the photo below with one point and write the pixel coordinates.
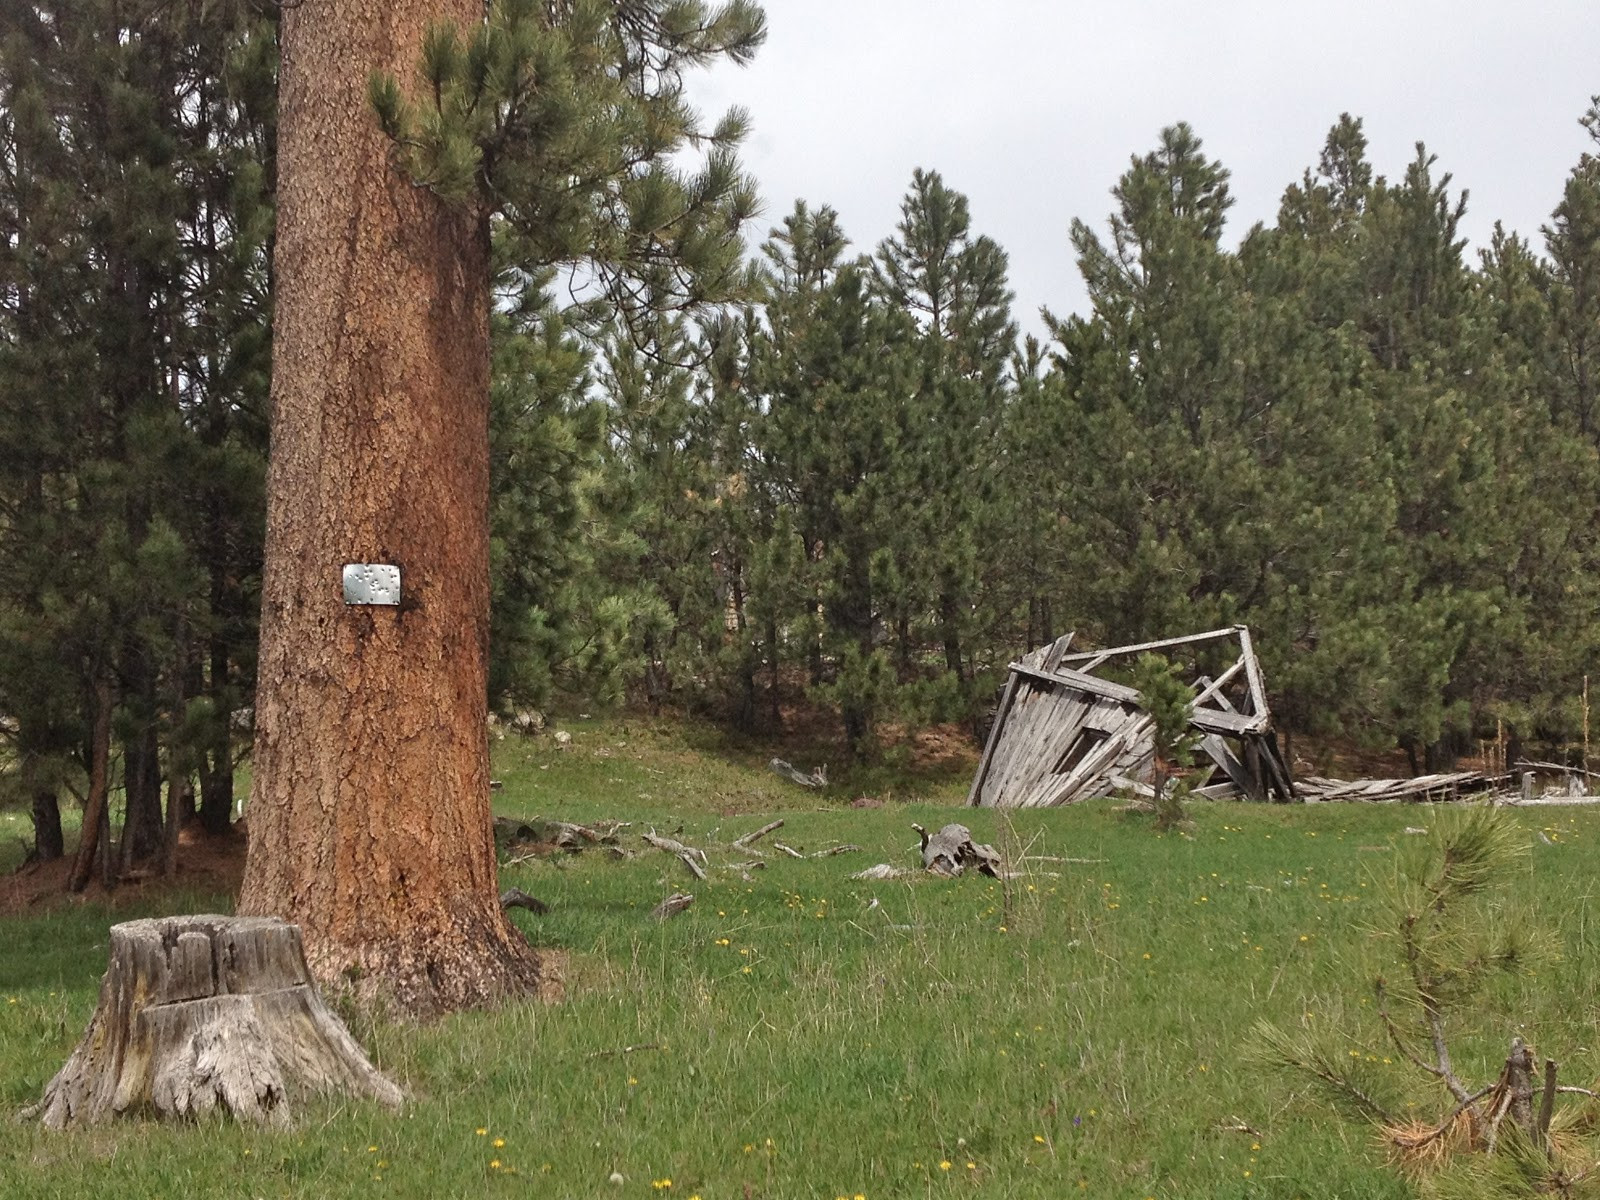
(204, 1013)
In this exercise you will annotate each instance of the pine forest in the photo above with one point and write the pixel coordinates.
(781, 472)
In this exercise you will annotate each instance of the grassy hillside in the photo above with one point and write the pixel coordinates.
(801, 1034)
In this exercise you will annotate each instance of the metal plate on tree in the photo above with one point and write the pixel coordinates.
(371, 583)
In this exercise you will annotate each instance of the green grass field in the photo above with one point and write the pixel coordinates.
(1078, 1032)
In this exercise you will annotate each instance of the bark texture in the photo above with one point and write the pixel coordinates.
(369, 817)
(204, 1013)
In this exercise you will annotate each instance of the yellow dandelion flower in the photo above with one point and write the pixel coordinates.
(494, 1164)
(498, 1142)
(1039, 1138)
(944, 1164)
(372, 1149)
(481, 1132)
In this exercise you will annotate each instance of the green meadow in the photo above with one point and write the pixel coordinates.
(1083, 1029)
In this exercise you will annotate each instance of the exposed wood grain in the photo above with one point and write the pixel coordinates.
(207, 1014)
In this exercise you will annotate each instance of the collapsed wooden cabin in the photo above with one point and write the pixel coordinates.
(1065, 732)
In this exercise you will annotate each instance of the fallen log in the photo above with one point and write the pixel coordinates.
(202, 1014)
(881, 871)
(743, 843)
(562, 835)
(691, 857)
(817, 778)
(672, 906)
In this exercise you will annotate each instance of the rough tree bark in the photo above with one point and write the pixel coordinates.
(369, 820)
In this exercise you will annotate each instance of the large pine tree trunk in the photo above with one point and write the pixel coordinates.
(369, 817)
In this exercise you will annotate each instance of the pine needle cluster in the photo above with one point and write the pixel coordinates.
(569, 123)
(1452, 925)
(1170, 704)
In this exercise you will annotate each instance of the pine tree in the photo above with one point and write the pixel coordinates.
(835, 369)
(954, 286)
(132, 349)
(1161, 487)
(559, 124)
(1572, 240)
(545, 438)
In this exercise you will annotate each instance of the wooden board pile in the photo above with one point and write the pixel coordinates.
(1423, 789)
(1064, 733)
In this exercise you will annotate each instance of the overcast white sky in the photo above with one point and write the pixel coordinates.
(1033, 108)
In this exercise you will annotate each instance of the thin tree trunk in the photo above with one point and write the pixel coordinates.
(177, 784)
(141, 822)
(370, 825)
(94, 808)
(106, 859)
(774, 694)
(950, 627)
(48, 843)
(216, 765)
(745, 717)
(33, 742)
